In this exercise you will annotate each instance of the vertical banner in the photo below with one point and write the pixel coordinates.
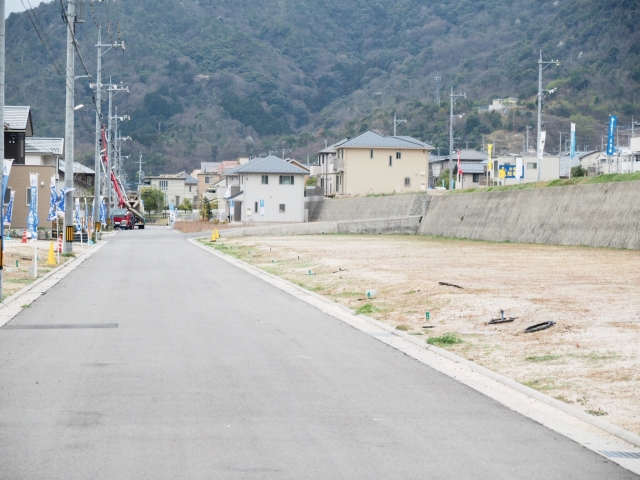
(5, 180)
(6, 220)
(519, 168)
(573, 141)
(489, 156)
(86, 216)
(54, 200)
(611, 145)
(32, 218)
(61, 197)
(262, 207)
(103, 211)
(543, 138)
(78, 224)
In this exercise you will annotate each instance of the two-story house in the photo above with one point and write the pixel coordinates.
(176, 187)
(372, 163)
(265, 190)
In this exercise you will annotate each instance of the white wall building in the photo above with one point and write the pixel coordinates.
(265, 190)
(176, 187)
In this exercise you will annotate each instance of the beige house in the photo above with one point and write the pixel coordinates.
(176, 187)
(372, 164)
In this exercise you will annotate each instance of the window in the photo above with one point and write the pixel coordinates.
(164, 184)
(390, 161)
(177, 200)
(532, 166)
(265, 179)
(28, 196)
(476, 177)
(207, 179)
(407, 182)
(255, 208)
(371, 154)
(7, 195)
(282, 208)
(286, 179)
(398, 155)
(189, 187)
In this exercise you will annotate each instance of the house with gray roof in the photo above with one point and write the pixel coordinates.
(371, 163)
(265, 190)
(176, 187)
(17, 126)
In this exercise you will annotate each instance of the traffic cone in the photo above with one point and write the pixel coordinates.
(24, 236)
(51, 261)
(217, 233)
(60, 244)
(213, 236)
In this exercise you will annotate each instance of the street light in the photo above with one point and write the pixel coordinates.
(78, 107)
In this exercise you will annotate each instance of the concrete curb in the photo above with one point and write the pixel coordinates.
(7, 308)
(616, 431)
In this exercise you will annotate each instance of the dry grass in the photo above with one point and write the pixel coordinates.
(590, 358)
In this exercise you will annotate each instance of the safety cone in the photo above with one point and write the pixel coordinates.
(213, 236)
(217, 233)
(51, 261)
(24, 236)
(60, 244)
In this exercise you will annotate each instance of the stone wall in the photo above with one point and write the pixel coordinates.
(331, 210)
(598, 215)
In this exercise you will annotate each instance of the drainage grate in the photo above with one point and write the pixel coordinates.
(59, 326)
(620, 454)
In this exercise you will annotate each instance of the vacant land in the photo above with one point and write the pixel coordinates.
(590, 358)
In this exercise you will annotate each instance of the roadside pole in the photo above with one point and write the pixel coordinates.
(67, 246)
(2, 55)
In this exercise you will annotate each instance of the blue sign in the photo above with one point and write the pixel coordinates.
(32, 218)
(9, 212)
(509, 170)
(611, 146)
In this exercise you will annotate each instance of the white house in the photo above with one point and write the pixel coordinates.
(176, 187)
(265, 190)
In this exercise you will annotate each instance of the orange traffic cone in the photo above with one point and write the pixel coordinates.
(24, 236)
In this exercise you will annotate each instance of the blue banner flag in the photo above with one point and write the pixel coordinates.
(103, 212)
(54, 200)
(573, 140)
(9, 213)
(5, 179)
(78, 224)
(611, 146)
(32, 218)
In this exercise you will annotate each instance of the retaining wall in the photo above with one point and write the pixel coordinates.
(598, 215)
(393, 206)
(385, 226)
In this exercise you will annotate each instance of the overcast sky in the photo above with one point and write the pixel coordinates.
(16, 5)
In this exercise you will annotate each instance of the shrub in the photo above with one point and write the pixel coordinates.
(579, 171)
(448, 338)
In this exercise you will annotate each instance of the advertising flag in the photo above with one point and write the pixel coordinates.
(61, 200)
(86, 216)
(459, 168)
(32, 218)
(519, 168)
(9, 213)
(78, 224)
(611, 146)
(54, 199)
(543, 137)
(5, 180)
(573, 140)
(489, 156)
(103, 211)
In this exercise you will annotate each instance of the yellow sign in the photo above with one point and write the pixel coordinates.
(503, 173)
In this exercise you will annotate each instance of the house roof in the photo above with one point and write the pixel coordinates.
(77, 168)
(188, 179)
(53, 146)
(18, 119)
(472, 167)
(298, 164)
(372, 139)
(209, 167)
(270, 164)
(465, 156)
(235, 196)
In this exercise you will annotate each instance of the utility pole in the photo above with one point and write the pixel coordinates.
(2, 56)
(113, 90)
(99, 147)
(541, 66)
(397, 122)
(69, 130)
(452, 99)
(526, 150)
(285, 150)
(560, 149)
(140, 162)
(438, 80)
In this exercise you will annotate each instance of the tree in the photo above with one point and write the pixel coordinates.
(205, 210)
(153, 199)
(186, 205)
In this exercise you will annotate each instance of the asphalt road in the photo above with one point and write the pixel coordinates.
(213, 374)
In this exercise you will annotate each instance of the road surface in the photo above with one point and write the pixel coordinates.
(212, 373)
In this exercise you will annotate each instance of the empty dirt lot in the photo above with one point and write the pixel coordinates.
(589, 359)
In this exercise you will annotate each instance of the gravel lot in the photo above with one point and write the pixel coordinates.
(589, 359)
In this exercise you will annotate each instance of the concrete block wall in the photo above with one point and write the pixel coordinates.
(599, 215)
(328, 210)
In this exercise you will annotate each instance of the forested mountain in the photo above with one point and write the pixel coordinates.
(214, 79)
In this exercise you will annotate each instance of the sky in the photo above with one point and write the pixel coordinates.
(16, 5)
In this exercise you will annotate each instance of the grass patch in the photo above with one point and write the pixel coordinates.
(543, 358)
(540, 385)
(597, 413)
(410, 292)
(448, 338)
(403, 328)
(367, 309)
(26, 306)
